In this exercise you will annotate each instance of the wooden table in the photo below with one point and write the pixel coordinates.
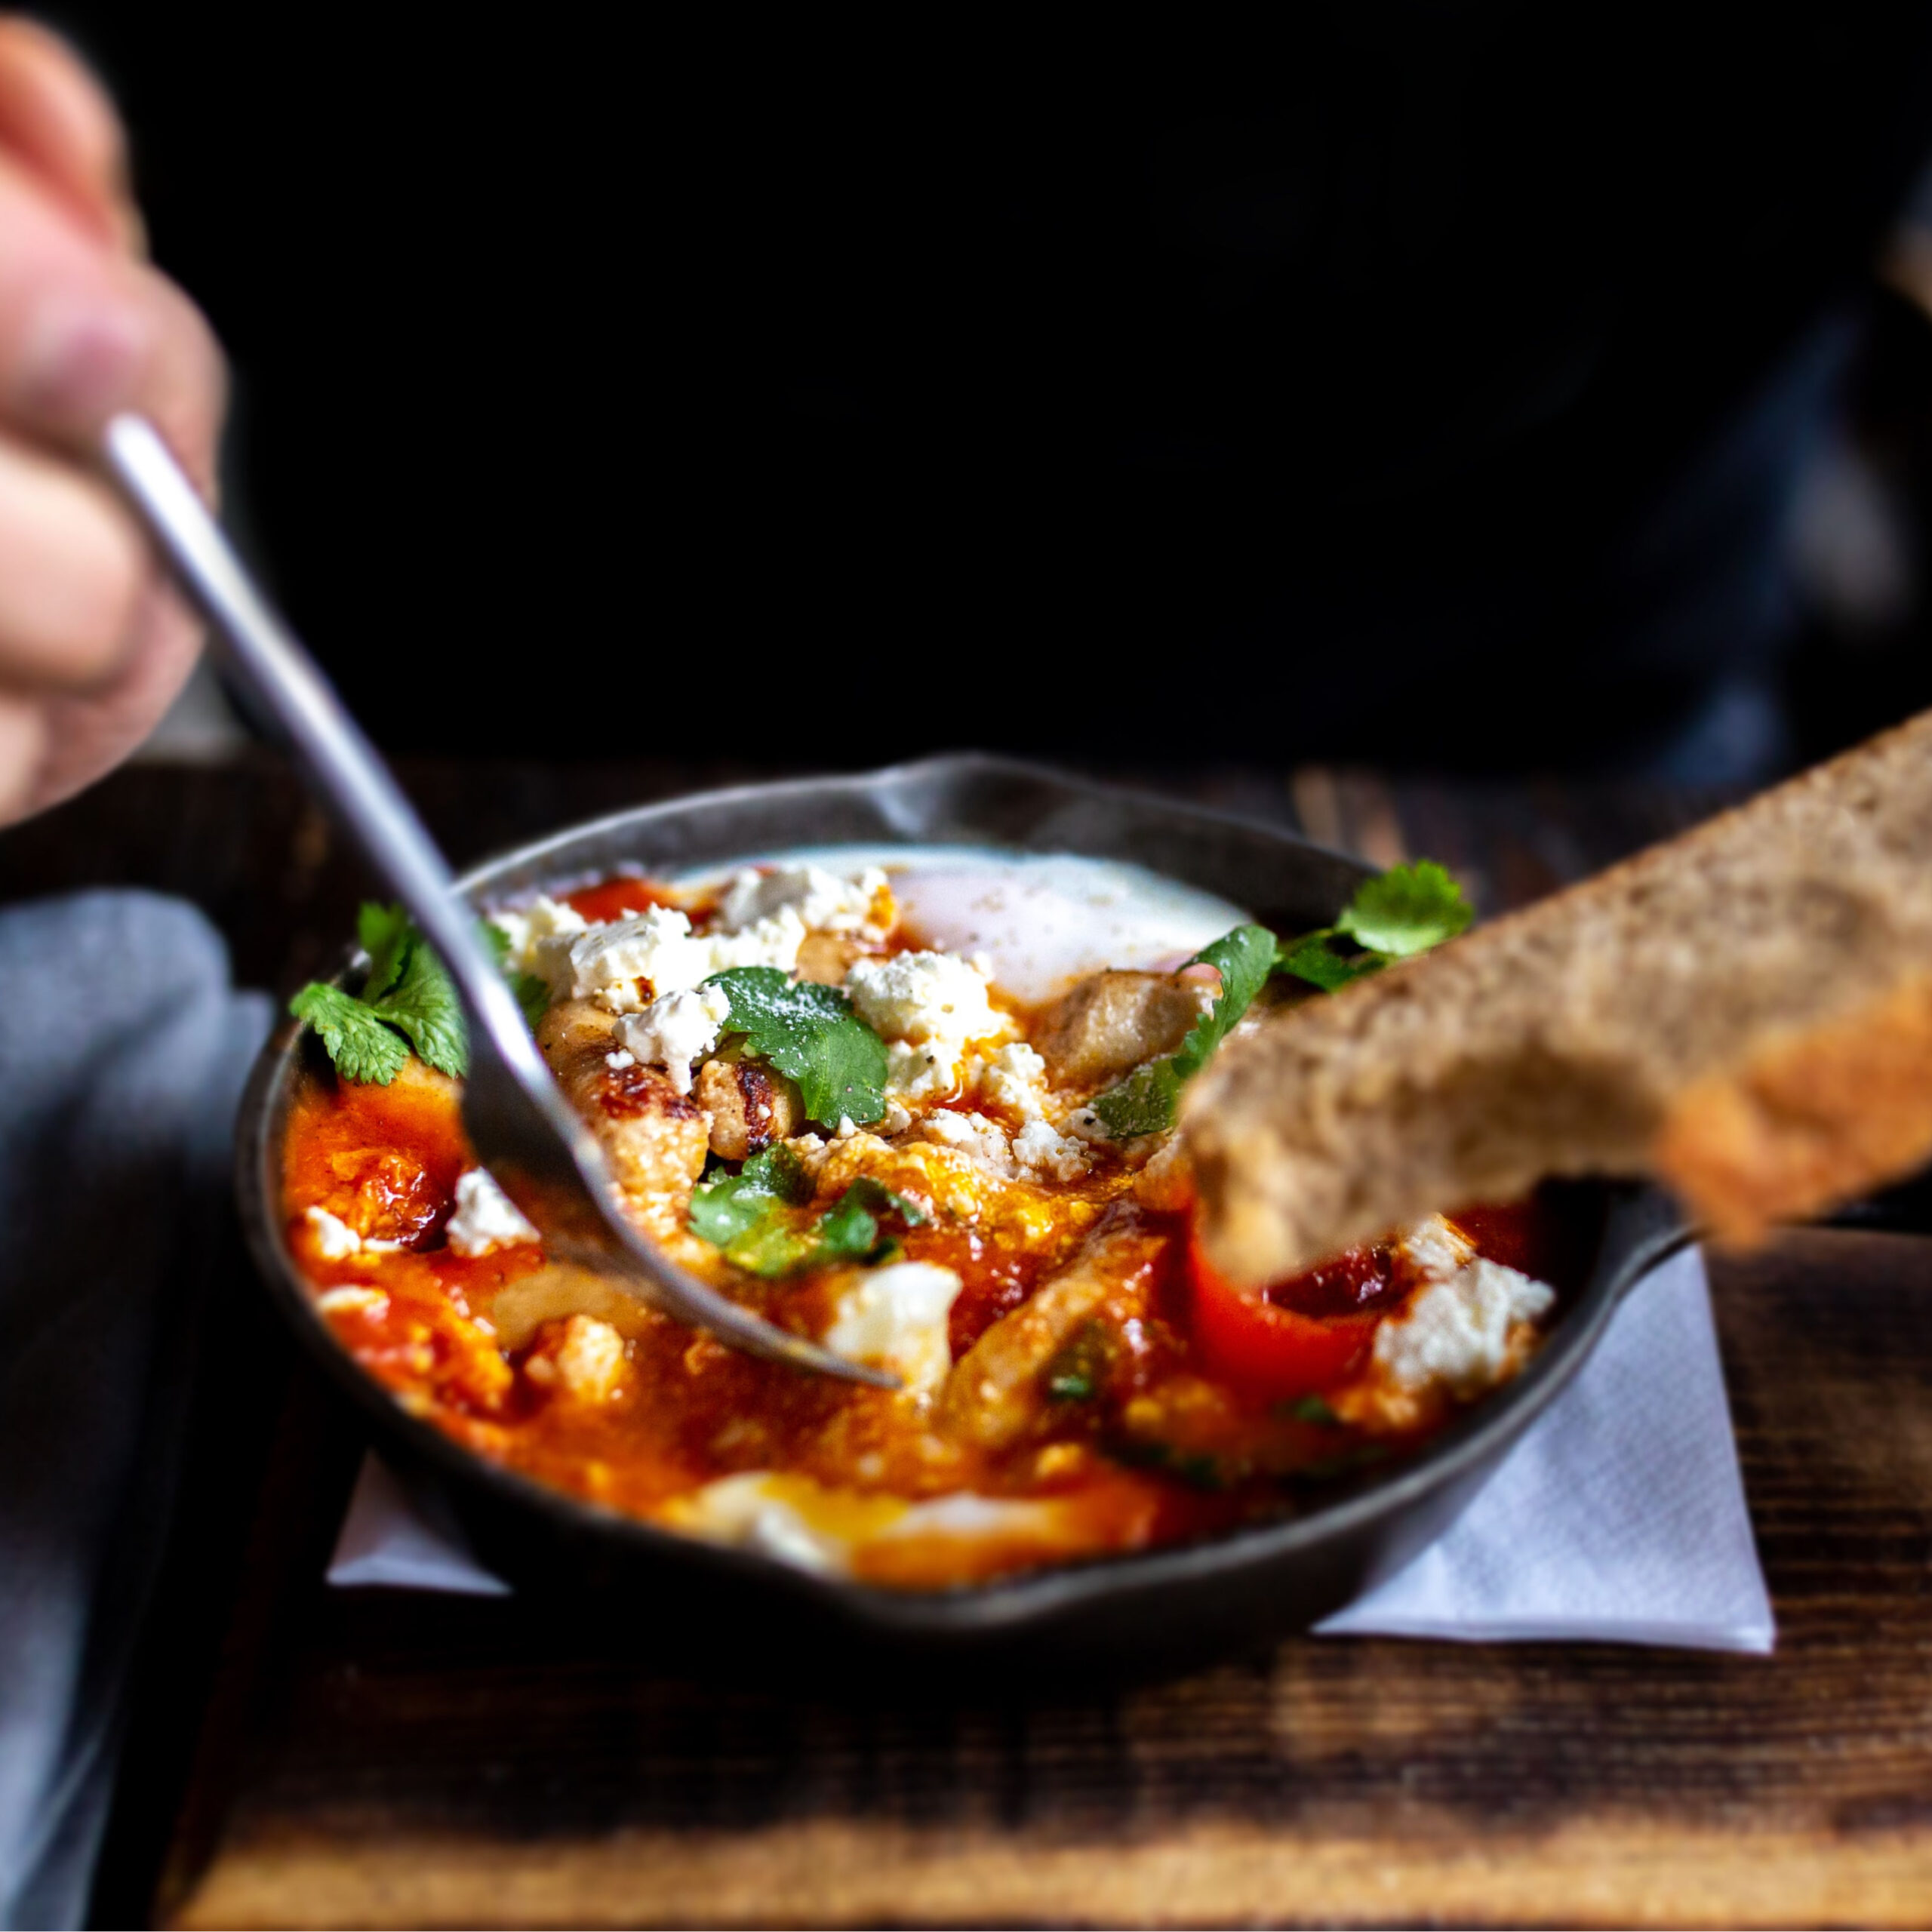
(301, 1756)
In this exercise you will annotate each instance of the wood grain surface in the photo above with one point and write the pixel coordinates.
(301, 1756)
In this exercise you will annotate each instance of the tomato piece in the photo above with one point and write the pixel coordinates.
(1266, 1351)
(616, 899)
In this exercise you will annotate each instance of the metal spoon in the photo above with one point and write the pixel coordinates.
(546, 1159)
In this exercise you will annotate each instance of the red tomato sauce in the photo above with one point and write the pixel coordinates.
(1177, 1407)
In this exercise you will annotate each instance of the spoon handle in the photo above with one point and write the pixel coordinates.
(511, 1106)
(281, 677)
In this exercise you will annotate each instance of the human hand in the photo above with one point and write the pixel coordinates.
(93, 646)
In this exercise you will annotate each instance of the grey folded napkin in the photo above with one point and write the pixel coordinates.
(123, 1049)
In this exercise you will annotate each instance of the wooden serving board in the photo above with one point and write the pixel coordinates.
(300, 1756)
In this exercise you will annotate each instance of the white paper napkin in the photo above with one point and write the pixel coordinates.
(1620, 1517)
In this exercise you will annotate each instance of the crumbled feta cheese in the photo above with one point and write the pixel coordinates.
(540, 937)
(1038, 1148)
(923, 996)
(1087, 1124)
(485, 1217)
(1435, 1249)
(676, 1029)
(658, 948)
(337, 1241)
(1456, 1332)
(823, 901)
(928, 1071)
(354, 1298)
(589, 1361)
(1016, 1078)
(617, 1062)
(897, 1120)
(846, 1128)
(896, 1317)
(974, 1135)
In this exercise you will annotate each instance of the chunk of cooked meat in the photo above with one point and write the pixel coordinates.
(655, 1139)
(750, 1106)
(825, 958)
(994, 1396)
(1111, 1022)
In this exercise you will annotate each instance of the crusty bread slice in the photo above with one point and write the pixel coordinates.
(1745, 1012)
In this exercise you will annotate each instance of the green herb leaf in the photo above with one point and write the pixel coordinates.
(384, 933)
(422, 1001)
(1078, 1369)
(1144, 1102)
(810, 1034)
(751, 1215)
(408, 988)
(726, 1209)
(1407, 910)
(1314, 957)
(363, 1049)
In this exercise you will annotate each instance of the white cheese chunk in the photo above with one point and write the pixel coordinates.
(676, 1029)
(822, 901)
(1041, 1151)
(924, 1000)
(1456, 1332)
(927, 1071)
(658, 948)
(1434, 1250)
(540, 935)
(895, 1318)
(588, 1362)
(1016, 1078)
(486, 1218)
(974, 1135)
(337, 1241)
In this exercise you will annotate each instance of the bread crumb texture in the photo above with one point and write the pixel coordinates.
(1745, 1012)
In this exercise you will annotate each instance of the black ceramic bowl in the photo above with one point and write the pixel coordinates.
(1188, 1598)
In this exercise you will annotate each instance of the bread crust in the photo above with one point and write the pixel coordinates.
(1807, 1122)
(1743, 1011)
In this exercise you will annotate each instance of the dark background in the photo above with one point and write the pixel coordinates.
(1444, 388)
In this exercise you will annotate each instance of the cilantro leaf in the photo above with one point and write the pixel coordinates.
(1313, 957)
(363, 1049)
(810, 1034)
(1406, 910)
(725, 1209)
(1144, 1102)
(422, 1001)
(751, 1215)
(850, 1227)
(1403, 911)
(384, 933)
